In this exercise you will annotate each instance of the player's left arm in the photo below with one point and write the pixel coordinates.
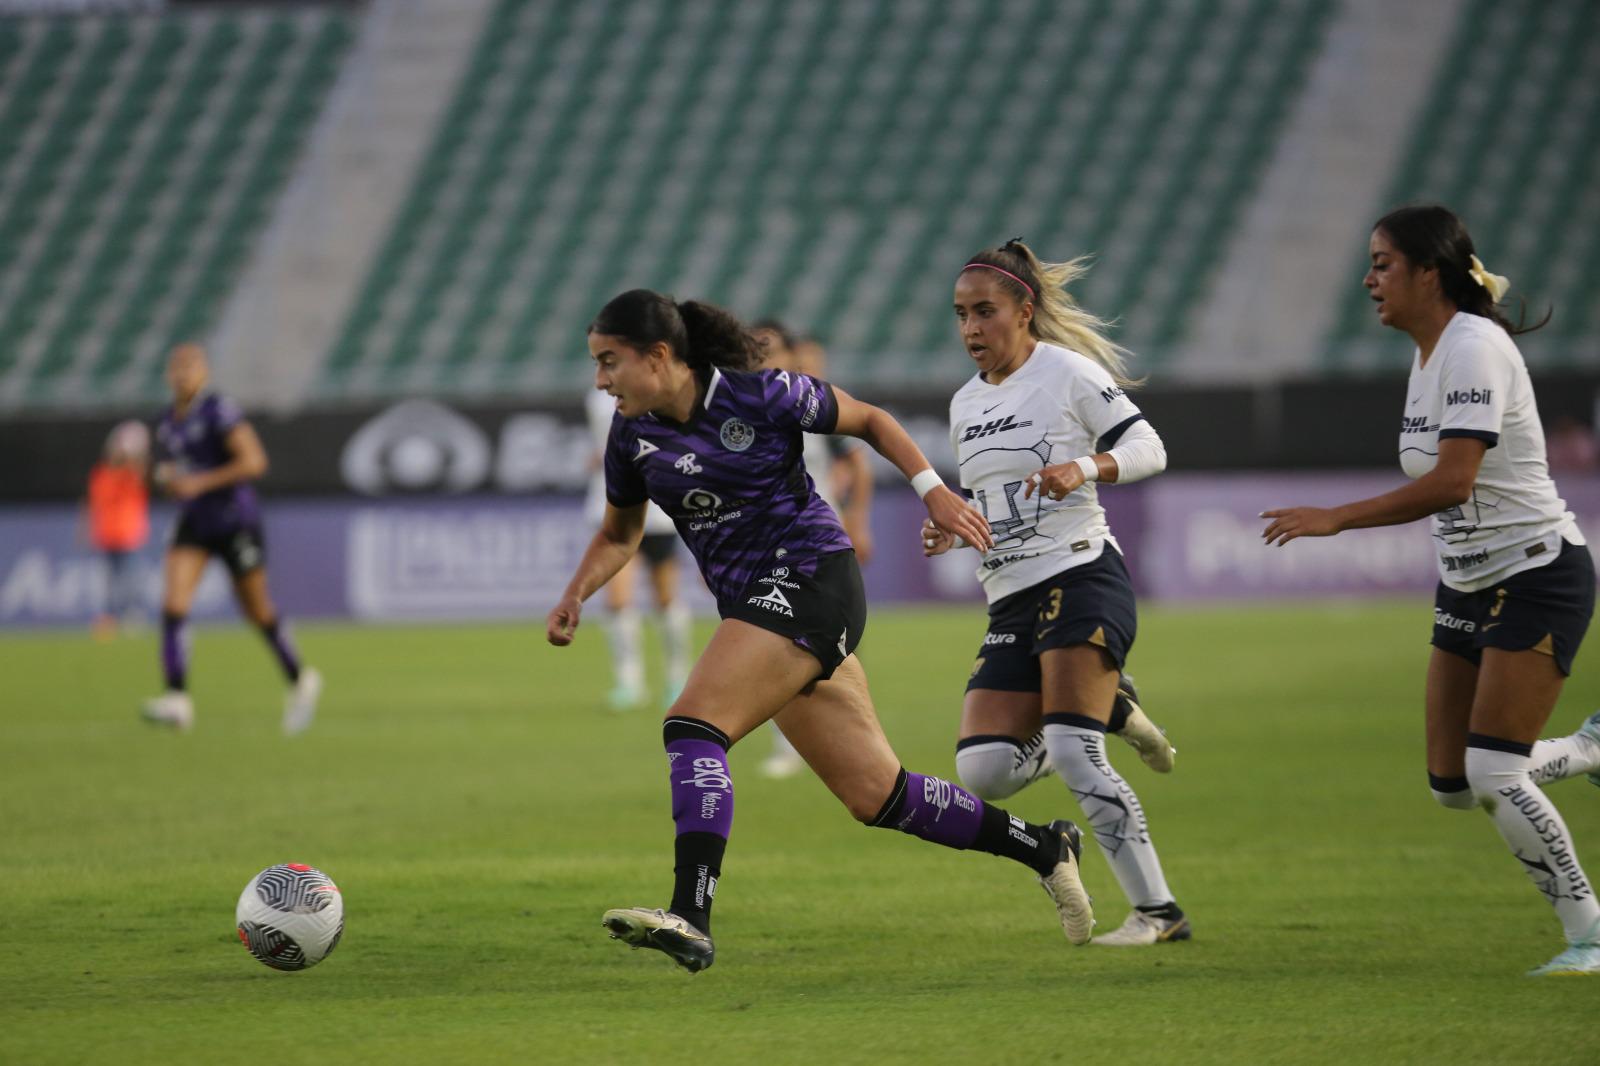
(887, 437)
(1448, 484)
(247, 462)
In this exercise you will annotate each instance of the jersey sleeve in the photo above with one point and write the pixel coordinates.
(1103, 406)
(624, 484)
(225, 415)
(1475, 383)
(799, 401)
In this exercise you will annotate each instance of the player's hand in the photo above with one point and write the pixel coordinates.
(935, 541)
(952, 515)
(562, 621)
(184, 486)
(1291, 522)
(1056, 482)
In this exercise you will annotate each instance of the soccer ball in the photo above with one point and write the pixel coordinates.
(290, 916)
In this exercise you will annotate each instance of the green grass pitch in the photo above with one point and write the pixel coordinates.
(480, 810)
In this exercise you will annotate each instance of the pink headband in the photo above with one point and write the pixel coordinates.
(1007, 273)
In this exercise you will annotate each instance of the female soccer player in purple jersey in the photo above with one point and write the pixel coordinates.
(1044, 417)
(1516, 582)
(211, 456)
(718, 446)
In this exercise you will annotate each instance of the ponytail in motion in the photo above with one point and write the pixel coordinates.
(699, 334)
(1057, 318)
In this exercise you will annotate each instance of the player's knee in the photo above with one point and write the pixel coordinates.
(1492, 766)
(1077, 747)
(988, 766)
(1452, 792)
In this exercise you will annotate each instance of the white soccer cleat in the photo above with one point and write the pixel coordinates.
(1073, 906)
(1141, 930)
(781, 764)
(174, 709)
(300, 706)
(1143, 735)
(625, 698)
(1579, 960)
(1591, 729)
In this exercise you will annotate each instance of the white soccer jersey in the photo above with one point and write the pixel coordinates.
(1058, 406)
(1476, 385)
(600, 408)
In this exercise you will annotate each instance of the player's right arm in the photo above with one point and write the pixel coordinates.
(621, 530)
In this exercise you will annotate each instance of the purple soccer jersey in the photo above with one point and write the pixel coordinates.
(732, 478)
(198, 442)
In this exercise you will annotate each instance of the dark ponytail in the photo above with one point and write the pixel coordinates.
(699, 334)
(1429, 235)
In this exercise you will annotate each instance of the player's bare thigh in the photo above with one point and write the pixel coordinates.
(181, 572)
(619, 590)
(987, 712)
(1452, 683)
(664, 582)
(744, 677)
(834, 728)
(1080, 679)
(1516, 692)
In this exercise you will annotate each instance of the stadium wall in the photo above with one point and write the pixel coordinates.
(1188, 538)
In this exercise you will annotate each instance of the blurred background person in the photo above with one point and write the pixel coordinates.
(659, 550)
(117, 520)
(211, 456)
(841, 471)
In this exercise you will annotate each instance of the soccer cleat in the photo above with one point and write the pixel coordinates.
(1591, 729)
(640, 927)
(625, 698)
(1141, 930)
(301, 704)
(1579, 960)
(173, 709)
(1073, 905)
(1143, 735)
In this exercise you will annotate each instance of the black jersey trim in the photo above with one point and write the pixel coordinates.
(833, 421)
(1108, 440)
(1488, 438)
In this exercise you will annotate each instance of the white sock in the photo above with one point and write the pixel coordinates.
(622, 627)
(677, 631)
(1534, 831)
(1113, 812)
(1563, 757)
(1452, 792)
(995, 767)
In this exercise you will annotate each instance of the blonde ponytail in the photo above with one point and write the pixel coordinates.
(1057, 317)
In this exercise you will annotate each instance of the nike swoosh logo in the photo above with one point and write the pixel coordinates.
(1490, 626)
(986, 410)
(1416, 401)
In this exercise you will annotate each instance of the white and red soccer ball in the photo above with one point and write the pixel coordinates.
(290, 916)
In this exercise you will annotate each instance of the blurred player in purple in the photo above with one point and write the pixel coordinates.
(210, 455)
(718, 447)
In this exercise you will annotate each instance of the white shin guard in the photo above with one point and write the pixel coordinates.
(993, 767)
(1111, 808)
(1534, 831)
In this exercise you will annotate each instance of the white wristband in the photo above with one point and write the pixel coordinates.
(1091, 469)
(926, 482)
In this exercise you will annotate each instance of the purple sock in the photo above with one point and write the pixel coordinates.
(175, 650)
(277, 634)
(702, 809)
(934, 809)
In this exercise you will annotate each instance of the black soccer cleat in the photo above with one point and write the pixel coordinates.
(675, 936)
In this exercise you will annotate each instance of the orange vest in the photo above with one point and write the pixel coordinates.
(119, 508)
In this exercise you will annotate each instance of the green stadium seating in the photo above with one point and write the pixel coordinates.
(831, 162)
(1510, 140)
(139, 157)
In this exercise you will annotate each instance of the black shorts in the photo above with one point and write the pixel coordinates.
(1088, 604)
(819, 603)
(1546, 609)
(658, 548)
(241, 549)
